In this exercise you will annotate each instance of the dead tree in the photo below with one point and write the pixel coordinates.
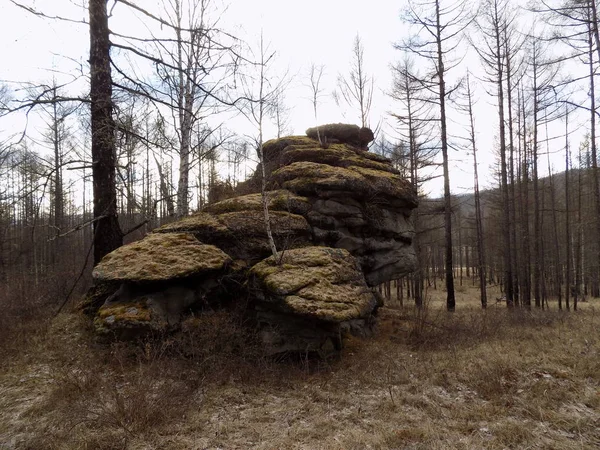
(107, 232)
(441, 25)
(357, 88)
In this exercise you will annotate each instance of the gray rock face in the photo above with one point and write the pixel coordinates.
(340, 218)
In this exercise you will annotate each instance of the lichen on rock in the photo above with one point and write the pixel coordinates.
(319, 282)
(127, 320)
(160, 257)
(279, 200)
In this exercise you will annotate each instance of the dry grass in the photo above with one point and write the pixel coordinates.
(469, 380)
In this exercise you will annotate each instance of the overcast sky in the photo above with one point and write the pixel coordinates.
(311, 31)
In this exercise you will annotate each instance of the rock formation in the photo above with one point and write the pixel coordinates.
(340, 220)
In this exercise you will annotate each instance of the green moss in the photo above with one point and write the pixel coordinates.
(252, 223)
(318, 282)
(160, 256)
(120, 312)
(96, 296)
(128, 319)
(338, 155)
(279, 200)
(194, 223)
(273, 147)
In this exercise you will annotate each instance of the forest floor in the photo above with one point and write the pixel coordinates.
(473, 379)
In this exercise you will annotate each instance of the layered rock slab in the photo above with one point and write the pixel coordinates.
(322, 283)
(152, 282)
(320, 286)
(159, 258)
(241, 233)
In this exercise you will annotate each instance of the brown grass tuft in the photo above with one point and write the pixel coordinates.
(490, 379)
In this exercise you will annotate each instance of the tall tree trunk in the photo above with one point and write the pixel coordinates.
(508, 276)
(478, 214)
(579, 253)
(450, 298)
(593, 34)
(536, 193)
(107, 233)
(414, 177)
(557, 260)
(512, 207)
(567, 215)
(524, 210)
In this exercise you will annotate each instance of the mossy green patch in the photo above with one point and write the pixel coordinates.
(279, 200)
(199, 222)
(360, 182)
(319, 282)
(160, 256)
(273, 148)
(338, 155)
(252, 223)
(96, 296)
(134, 317)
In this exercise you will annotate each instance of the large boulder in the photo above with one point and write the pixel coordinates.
(161, 257)
(306, 298)
(321, 283)
(150, 283)
(340, 220)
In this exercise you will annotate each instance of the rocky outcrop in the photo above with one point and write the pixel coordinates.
(340, 218)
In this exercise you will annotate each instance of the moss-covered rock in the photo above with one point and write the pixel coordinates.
(319, 282)
(338, 155)
(201, 223)
(323, 180)
(279, 200)
(160, 257)
(242, 233)
(129, 320)
(252, 223)
(340, 219)
(273, 149)
(342, 133)
(96, 296)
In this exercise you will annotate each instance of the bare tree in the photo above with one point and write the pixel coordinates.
(478, 211)
(262, 92)
(416, 150)
(567, 214)
(315, 74)
(107, 232)
(576, 24)
(281, 115)
(357, 88)
(494, 19)
(441, 25)
(192, 68)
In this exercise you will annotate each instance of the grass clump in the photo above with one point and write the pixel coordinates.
(490, 379)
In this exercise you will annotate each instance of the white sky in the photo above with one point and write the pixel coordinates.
(311, 31)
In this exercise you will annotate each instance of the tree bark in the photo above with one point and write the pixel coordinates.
(450, 298)
(107, 233)
(478, 214)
